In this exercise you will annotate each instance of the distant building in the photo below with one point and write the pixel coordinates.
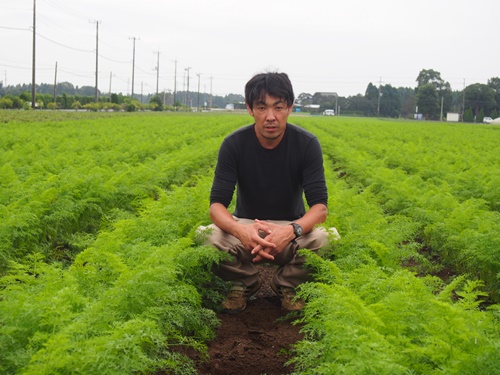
(453, 117)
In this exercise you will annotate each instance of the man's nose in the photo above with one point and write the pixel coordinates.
(270, 115)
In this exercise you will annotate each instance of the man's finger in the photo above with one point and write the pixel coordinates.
(265, 255)
(263, 226)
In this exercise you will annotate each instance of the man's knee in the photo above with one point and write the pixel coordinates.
(319, 238)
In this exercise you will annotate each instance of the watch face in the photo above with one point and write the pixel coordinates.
(297, 230)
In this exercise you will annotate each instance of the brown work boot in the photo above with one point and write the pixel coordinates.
(238, 296)
(288, 298)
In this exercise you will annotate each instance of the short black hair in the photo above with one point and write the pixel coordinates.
(273, 84)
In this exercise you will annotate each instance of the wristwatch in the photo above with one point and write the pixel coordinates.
(297, 230)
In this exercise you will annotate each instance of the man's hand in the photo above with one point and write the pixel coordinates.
(278, 235)
(255, 235)
(252, 236)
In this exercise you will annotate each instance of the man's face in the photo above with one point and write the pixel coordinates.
(270, 118)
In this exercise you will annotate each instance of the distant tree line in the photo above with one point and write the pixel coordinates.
(67, 96)
(432, 98)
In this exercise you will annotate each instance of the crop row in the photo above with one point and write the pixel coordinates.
(62, 181)
(447, 186)
(366, 314)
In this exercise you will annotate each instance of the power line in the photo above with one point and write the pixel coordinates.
(115, 61)
(63, 45)
(15, 28)
(76, 74)
(15, 67)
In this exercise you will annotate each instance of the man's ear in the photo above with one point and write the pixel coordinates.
(250, 110)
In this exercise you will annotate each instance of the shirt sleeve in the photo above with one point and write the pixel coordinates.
(225, 176)
(315, 189)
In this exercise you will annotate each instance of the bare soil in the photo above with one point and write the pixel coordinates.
(257, 341)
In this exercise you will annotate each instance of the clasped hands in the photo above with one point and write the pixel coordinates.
(265, 240)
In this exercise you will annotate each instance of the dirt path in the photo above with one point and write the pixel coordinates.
(254, 342)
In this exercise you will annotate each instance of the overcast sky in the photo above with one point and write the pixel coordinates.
(323, 45)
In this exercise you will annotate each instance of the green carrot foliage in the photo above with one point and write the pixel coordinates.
(102, 270)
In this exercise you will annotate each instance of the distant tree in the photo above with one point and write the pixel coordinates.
(427, 76)
(371, 92)
(45, 99)
(323, 100)
(408, 101)
(116, 99)
(17, 102)
(443, 88)
(494, 83)
(25, 96)
(65, 87)
(468, 115)
(457, 101)
(427, 101)
(358, 104)
(76, 105)
(86, 91)
(156, 103)
(65, 101)
(480, 116)
(479, 96)
(132, 105)
(6, 103)
(390, 102)
(304, 99)
(372, 95)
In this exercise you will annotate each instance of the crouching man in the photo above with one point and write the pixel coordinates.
(272, 164)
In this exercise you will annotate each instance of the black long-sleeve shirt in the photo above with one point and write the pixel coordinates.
(270, 183)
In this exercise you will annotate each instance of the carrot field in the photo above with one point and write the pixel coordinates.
(101, 271)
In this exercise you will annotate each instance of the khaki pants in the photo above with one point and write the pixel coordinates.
(291, 271)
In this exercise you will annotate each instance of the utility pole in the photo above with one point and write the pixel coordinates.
(55, 83)
(157, 71)
(379, 95)
(97, 60)
(187, 91)
(33, 82)
(211, 100)
(198, 74)
(133, 68)
(110, 78)
(463, 102)
(175, 83)
(442, 102)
